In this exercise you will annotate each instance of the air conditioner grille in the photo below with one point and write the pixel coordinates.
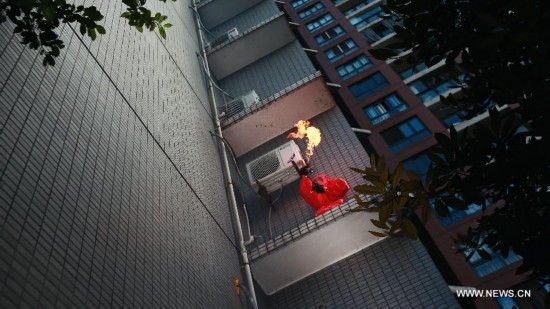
(265, 165)
(233, 108)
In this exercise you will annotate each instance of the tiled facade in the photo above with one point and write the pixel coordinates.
(111, 188)
(111, 185)
(389, 274)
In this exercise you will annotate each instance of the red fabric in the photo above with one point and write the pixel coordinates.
(335, 190)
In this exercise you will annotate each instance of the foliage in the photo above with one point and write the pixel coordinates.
(395, 198)
(37, 20)
(502, 47)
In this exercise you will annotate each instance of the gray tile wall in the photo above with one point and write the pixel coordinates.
(248, 19)
(270, 74)
(393, 273)
(111, 191)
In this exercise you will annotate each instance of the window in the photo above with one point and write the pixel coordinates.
(454, 118)
(351, 68)
(419, 165)
(365, 18)
(405, 134)
(413, 70)
(385, 108)
(329, 35)
(338, 51)
(506, 303)
(311, 10)
(336, 2)
(298, 3)
(484, 267)
(455, 215)
(358, 6)
(319, 22)
(368, 86)
(378, 31)
(429, 87)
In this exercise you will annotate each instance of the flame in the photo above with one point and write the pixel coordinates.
(312, 134)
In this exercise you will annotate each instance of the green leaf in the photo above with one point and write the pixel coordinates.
(100, 29)
(455, 202)
(443, 140)
(162, 32)
(378, 234)
(357, 170)
(379, 224)
(82, 29)
(372, 160)
(409, 229)
(426, 209)
(412, 176)
(484, 254)
(48, 60)
(91, 33)
(396, 175)
(441, 209)
(382, 53)
(368, 190)
(167, 25)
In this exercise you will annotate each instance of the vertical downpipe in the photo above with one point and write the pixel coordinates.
(225, 166)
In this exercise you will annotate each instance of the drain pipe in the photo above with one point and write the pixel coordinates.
(225, 165)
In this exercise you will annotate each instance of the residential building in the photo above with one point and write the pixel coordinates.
(399, 103)
(126, 178)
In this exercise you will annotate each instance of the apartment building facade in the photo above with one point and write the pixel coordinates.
(399, 103)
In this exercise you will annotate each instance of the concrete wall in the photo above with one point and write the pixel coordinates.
(111, 192)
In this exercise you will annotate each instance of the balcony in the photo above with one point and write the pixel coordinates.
(215, 12)
(289, 239)
(276, 114)
(250, 46)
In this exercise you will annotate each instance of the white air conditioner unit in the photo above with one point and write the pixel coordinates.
(238, 105)
(274, 169)
(231, 34)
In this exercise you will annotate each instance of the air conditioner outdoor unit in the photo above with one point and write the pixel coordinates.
(274, 169)
(238, 105)
(231, 34)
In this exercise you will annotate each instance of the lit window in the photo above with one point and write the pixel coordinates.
(368, 86)
(413, 70)
(298, 3)
(385, 108)
(378, 31)
(405, 134)
(418, 164)
(366, 18)
(456, 215)
(329, 35)
(311, 10)
(429, 87)
(338, 51)
(358, 7)
(319, 22)
(484, 267)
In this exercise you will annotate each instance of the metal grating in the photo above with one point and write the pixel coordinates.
(232, 108)
(264, 165)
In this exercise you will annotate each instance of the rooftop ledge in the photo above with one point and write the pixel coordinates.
(278, 113)
(250, 46)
